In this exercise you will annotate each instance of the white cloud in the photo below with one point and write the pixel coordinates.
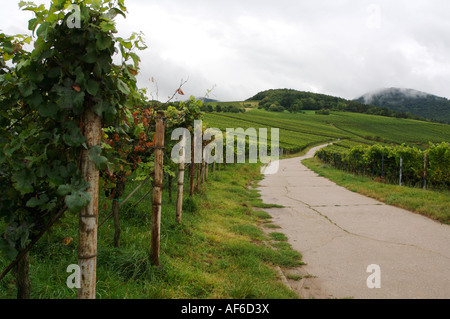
(338, 47)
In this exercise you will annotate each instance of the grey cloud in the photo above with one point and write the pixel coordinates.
(338, 47)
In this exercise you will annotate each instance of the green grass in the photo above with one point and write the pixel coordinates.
(271, 226)
(430, 203)
(219, 250)
(278, 236)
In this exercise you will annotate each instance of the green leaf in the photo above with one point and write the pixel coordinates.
(81, 78)
(103, 42)
(122, 5)
(113, 12)
(90, 57)
(107, 26)
(73, 137)
(26, 88)
(22, 64)
(11, 148)
(64, 190)
(23, 182)
(8, 249)
(69, 98)
(37, 159)
(123, 87)
(25, 134)
(92, 87)
(32, 24)
(59, 4)
(104, 107)
(54, 72)
(78, 102)
(42, 31)
(34, 202)
(77, 201)
(125, 43)
(99, 161)
(104, 63)
(36, 99)
(36, 75)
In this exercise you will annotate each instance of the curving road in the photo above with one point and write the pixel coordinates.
(341, 233)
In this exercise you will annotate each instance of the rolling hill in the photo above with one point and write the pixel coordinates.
(280, 100)
(410, 101)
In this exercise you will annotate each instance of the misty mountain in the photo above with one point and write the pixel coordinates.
(207, 100)
(410, 101)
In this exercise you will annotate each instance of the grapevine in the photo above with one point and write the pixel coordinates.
(383, 162)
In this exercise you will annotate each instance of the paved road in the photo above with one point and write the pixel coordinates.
(340, 233)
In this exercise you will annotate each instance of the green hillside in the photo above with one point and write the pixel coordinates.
(298, 131)
(410, 101)
(294, 101)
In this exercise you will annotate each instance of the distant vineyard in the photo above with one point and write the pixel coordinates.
(298, 131)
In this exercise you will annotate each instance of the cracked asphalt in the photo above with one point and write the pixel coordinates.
(340, 233)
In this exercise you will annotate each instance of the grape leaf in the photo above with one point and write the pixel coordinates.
(23, 182)
(77, 201)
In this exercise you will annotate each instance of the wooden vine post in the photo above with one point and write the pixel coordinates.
(192, 168)
(207, 170)
(203, 172)
(180, 186)
(425, 171)
(198, 172)
(88, 219)
(157, 189)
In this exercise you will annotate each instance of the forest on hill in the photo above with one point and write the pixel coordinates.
(412, 101)
(279, 100)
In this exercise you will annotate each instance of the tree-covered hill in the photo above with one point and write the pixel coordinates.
(294, 101)
(279, 100)
(410, 101)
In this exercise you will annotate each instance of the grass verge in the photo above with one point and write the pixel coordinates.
(218, 252)
(430, 203)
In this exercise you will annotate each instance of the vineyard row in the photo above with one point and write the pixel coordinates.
(395, 164)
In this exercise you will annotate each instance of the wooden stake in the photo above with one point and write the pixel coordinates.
(169, 188)
(192, 175)
(425, 171)
(203, 173)
(22, 275)
(88, 220)
(197, 185)
(157, 189)
(180, 187)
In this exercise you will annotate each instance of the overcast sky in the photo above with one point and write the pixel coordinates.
(241, 47)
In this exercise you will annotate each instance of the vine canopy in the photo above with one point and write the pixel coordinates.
(44, 94)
